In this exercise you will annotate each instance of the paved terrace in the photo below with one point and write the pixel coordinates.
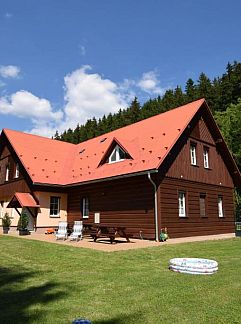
(120, 244)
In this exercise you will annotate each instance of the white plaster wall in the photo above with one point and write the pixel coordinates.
(43, 218)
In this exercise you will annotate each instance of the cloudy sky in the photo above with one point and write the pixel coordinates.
(62, 62)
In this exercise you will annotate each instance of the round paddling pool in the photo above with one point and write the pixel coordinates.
(193, 265)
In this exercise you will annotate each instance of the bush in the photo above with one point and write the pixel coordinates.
(23, 222)
(6, 220)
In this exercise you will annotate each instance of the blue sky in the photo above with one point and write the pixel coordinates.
(62, 62)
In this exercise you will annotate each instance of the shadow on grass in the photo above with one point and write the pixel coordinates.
(122, 319)
(16, 299)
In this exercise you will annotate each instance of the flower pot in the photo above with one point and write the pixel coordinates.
(5, 230)
(24, 232)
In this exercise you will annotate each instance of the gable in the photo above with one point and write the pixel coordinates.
(217, 172)
(201, 132)
(116, 152)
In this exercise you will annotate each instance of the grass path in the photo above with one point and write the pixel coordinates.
(48, 283)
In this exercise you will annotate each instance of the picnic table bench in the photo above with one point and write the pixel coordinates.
(111, 232)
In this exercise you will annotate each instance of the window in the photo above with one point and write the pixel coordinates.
(206, 157)
(54, 206)
(117, 155)
(7, 173)
(85, 207)
(182, 204)
(220, 206)
(17, 170)
(193, 154)
(202, 203)
(1, 208)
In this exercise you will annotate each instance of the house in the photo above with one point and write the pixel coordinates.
(172, 170)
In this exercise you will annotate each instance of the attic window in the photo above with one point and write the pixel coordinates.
(81, 151)
(117, 155)
(103, 139)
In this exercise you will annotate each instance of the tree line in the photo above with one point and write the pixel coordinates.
(222, 95)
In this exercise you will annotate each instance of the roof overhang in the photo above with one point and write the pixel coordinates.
(22, 199)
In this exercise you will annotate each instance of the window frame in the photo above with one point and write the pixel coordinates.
(182, 198)
(85, 207)
(193, 153)
(7, 172)
(16, 171)
(206, 157)
(116, 151)
(53, 215)
(204, 197)
(220, 204)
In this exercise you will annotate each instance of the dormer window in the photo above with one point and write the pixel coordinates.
(117, 155)
(7, 173)
(17, 171)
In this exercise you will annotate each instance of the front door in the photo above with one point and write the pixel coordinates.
(30, 226)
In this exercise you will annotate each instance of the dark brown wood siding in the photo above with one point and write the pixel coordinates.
(8, 189)
(126, 202)
(216, 174)
(194, 224)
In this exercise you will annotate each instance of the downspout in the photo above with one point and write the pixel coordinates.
(155, 207)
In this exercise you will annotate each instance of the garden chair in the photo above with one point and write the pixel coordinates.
(77, 231)
(62, 231)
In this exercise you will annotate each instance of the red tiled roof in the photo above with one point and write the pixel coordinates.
(24, 199)
(148, 142)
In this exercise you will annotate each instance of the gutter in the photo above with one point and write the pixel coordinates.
(95, 181)
(155, 210)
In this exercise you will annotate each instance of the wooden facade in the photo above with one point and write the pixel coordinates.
(127, 202)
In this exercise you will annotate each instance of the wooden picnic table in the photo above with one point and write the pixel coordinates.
(111, 232)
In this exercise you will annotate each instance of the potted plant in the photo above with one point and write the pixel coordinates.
(23, 224)
(6, 223)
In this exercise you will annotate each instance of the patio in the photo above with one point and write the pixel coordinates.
(120, 244)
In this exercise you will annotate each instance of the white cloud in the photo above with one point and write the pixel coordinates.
(82, 50)
(8, 15)
(89, 95)
(86, 95)
(24, 104)
(150, 83)
(9, 71)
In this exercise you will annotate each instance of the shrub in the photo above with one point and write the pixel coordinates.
(6, 220)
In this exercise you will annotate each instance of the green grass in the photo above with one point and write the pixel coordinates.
(47, 283)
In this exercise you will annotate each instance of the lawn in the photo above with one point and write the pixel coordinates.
(49, 283)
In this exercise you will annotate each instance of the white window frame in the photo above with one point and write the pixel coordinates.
(220, 207)
(206, 158)
(17, 171)
(57, 203)
(7, 173)
(182, 204)
(116, 151)
(85, 207)
(193, 154)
